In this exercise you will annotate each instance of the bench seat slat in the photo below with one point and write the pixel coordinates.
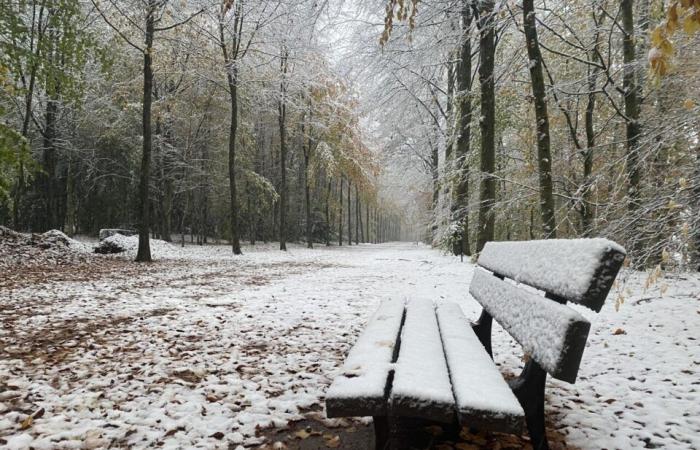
(361, 387)
(421, 386)
(553, 334)
(579, 270)
(483, 398)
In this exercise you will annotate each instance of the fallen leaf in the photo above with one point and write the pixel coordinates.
(333, 442)
(26, 423)
(302, 434)
(619, 331)
(464, 446)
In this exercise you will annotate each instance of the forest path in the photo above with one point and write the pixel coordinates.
(204, 349)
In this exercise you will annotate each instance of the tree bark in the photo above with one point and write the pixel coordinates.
(695, 225)
(544, 155)
(328, 213)
(232, 81)
(283, 151)
(358, 218)
(487, 184)
(307, 189)
(144, 251)
(349, 213)
(340, 213)
(460, 202)
(631, 98)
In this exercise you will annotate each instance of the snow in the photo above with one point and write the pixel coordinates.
(561, 266)
(138, 357)
(421, 379)
(539, 324)
(477, 384)
(131, 245)
(366, 369)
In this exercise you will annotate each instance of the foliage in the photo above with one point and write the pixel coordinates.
(681, 14)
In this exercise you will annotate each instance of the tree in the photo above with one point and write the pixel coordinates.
(544, 154)
(154, 13)
(460, 209)
(487, 185)
(284, 58)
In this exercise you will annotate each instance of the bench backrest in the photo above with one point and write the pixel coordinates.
(577, 270)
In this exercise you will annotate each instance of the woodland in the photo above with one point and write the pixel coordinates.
(285, 166)
(452, 122)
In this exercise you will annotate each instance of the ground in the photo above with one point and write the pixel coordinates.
(202, 349)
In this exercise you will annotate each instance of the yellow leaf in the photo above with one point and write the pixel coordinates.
(333, 442)
(26, 423)
(665, 256)
(691, 24)
(302, 434)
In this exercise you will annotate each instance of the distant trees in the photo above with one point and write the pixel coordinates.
(183, 135)
(585, 143)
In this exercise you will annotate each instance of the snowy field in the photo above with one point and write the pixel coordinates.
(206, 350)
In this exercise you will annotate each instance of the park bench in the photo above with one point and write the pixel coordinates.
(416, 360)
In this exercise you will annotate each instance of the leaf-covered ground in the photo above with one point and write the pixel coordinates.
(205, 350)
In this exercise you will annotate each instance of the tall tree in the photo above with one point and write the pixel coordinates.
(632, 103)
(460, 202)
(539, 93)
(154, 13)
(487, 184)
(232, 52)
(282, 116)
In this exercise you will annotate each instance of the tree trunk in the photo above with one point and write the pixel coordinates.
(460, 202)
(487, 184)
(340, 213)
(50, 186)
(367, 238)
(328, 214)
(28, 109)
(283, 151)
(144, 251)
(434, 166)
(358, 218)
(307, 189)
(349, 213)
(544, 155)
(695, 224)
(631, 97)
(232, 80)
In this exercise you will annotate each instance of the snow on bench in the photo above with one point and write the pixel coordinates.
(483, 398)
(421, 386)
(445, 371)
(361, 388)
(553, 334)
(579, 270)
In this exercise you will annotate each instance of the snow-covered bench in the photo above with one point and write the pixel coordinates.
(418, 360)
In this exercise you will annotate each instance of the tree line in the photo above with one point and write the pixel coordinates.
(203, 120)
(549, 119)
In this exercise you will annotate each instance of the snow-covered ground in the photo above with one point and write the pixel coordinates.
(204, 349)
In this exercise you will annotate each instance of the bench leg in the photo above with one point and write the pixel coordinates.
(381, 432)
(529, 390)
(482, 329)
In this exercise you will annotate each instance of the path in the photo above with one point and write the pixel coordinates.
(207, 350)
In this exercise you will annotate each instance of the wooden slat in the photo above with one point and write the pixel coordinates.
(361, 389)
(553, 334)
(421, 386)
(578, 270)
(483, 398)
